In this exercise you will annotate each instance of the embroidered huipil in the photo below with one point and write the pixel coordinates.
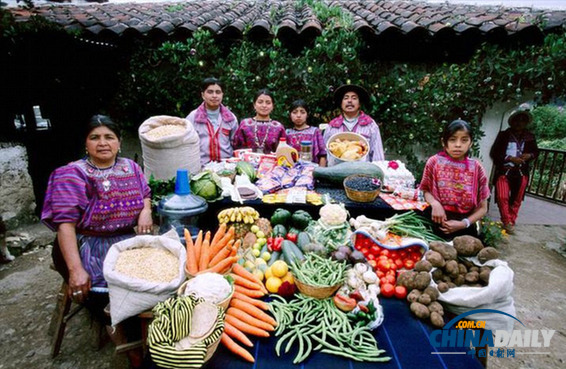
(75, 194)
(258, 135)
(215, 142)
(366, 127)
(459, 185)
(313, 134)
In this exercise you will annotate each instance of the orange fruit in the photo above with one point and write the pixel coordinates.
(279, 268)
(272, 284)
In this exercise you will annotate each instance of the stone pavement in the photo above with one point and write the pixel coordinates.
(534, 211)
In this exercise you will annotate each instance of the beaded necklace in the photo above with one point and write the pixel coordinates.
(256, 138)
(106, 184)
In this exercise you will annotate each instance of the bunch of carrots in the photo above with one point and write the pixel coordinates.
(246, 314)
(211, 256)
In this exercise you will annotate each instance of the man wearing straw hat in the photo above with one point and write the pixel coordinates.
(350, 98)
(512, 151)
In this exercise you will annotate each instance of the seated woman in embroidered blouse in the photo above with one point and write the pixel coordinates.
(215, 124)
(260, 133)
(454, 185)
(350, 99)
(301, 131)
(93, 203)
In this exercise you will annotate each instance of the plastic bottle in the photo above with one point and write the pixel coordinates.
(286, 154)
(306, 151)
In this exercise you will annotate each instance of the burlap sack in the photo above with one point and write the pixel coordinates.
(162, 156)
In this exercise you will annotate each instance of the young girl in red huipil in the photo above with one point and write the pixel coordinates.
(454, 185)
(301, 131)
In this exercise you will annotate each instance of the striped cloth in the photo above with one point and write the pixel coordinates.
(171, 323)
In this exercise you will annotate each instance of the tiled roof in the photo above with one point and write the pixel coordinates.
(287, 20)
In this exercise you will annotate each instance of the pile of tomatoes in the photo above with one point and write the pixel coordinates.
(388, 263)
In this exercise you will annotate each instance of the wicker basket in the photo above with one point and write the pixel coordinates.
(360, 196)
(222, 304)
(210, 350)
(315, 291)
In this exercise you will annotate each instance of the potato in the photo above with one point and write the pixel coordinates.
(484, 275)
(436, 319)
(407, 279)
(467, 245)
(432, 292)
(423, 266)
(442, 287)
(460, 280)
(420, 310)
(413, 295)
(435, 306)
(451, 268)
(472, 277)
(487, 253)
(474, 269)
(451, 285)
(446, 279)
(424, 299)
(447, 251)
(463, 268)
(435, 259)
(249, 239)
(437, 275)
(422, 280)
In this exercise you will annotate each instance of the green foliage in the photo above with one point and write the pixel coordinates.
(159, 189)
(492, 232)
(558, 144)
(549, 122)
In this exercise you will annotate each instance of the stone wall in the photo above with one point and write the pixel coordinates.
(17, 202)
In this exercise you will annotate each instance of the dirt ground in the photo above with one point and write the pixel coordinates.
(28, 289)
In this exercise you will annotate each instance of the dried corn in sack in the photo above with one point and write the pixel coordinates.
(134, 291)
(169, 143)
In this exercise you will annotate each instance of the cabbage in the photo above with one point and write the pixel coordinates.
(207, 185)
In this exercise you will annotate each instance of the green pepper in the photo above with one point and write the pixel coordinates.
(280, 216)
(301, 219)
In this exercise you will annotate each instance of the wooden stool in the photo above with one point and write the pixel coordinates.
(61, 315)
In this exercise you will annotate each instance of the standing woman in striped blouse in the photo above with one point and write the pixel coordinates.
(93, 203)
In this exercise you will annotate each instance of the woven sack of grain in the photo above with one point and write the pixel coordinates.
(169, 143)
(135, 290)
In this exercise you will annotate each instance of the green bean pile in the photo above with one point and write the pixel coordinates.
(318, 325)
(318, 271)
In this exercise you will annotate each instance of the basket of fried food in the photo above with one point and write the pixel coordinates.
(346, 146)
(185, 332)
(317, 276)
(362, 187)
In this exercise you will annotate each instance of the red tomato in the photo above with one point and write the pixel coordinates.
(380, 273)
(370, 256)
(385, 252)
(383, 265)
(387, 290)
(394, 255)
(390, 279)
(382, 281)
(399, 263)
(375, 250)
(382, 257)
(364, 251)
(393, 266)
(402, 254)
(373, 264)
(400, 292)
(416, 256)
(409, 264)
(391, 272)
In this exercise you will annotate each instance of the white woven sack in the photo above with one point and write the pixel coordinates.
(163, 156)
(497, 295)
(130, 296)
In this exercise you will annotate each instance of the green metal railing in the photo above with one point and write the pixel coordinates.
(548, 176)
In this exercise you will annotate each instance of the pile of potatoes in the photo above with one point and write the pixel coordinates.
(449, 272)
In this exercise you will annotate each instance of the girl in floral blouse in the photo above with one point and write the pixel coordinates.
(454, 185)
(301, 131)
(260, 133)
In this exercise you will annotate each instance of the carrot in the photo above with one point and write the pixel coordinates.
(241, 281)
(235, 348)
(221, 266)
(247, 318)
(198, 246)
(252, 310)
(242, 272)
(191, 261)
(250, 300)
(235, 248)
(221, 255)
(204, 252)
(248, 292)
(245, 327)
(234, 333)
(220, 232)
(229, 235)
